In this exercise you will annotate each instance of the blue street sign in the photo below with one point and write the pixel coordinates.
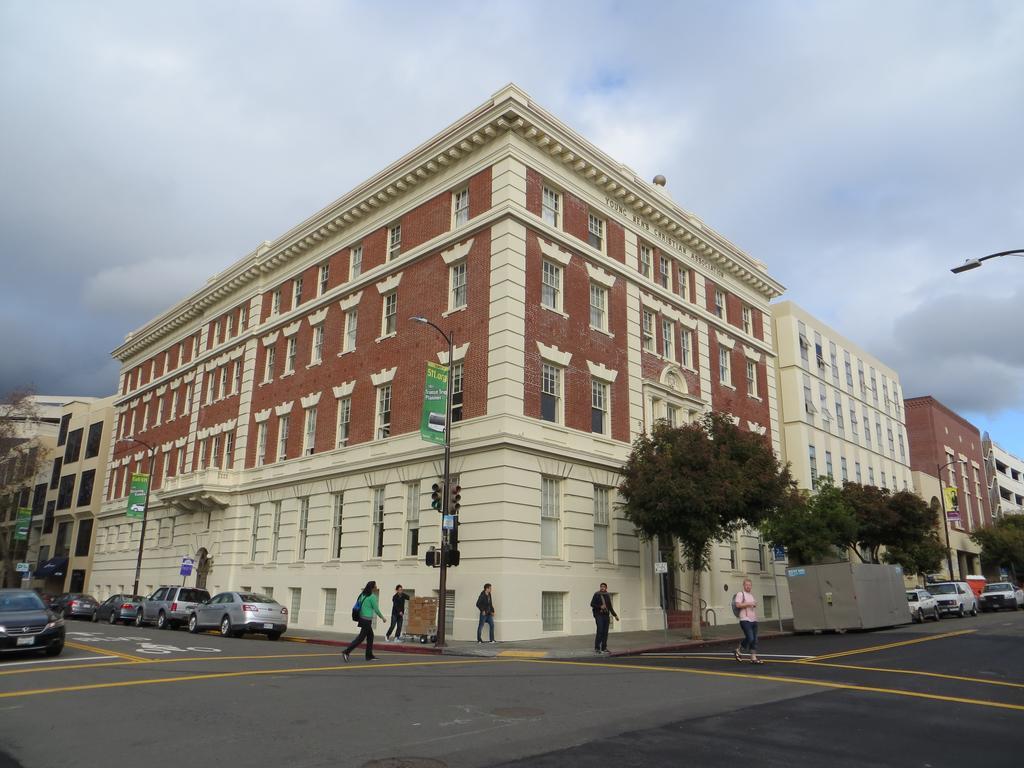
(186, 566)
(778, 552)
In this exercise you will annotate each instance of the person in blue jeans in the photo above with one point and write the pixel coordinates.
(601, 605)
(485, 605)
(368, 608)
(746, 607)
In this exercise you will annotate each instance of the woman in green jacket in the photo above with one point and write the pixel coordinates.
(367, 604)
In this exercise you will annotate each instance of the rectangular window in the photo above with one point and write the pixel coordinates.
(389, 316)
(550, 290)
(602, 505)
(550, 393)
(201, 450)
(324, 280)
(356, 262)
(668, 334)
(457, 393)
(751, 378)
(254, 532)
(211, 381)
(275, 302)
(243, 317)
(174, 405)
(724, 374)
(856, 471)
(552, 611)
(65, 492)
(303, 527)
(683, 287)
(828, 465)
(457, 281)
(598, 407)
(849, 369)
(330, 606)
(595, 231)
(261, 444)
(309, 440)
(686, 339)
(351, 327)
(843, 469)
(85, 488)
(181, 461)
(871, 475)
(598, 307)
(73, 446)
(719, 303)
(550, 206)
(412, 519)
(378, 522)
(383, 411)
(275, 532)
(460, 207)
(646, 258)
(293, 353)
(550, 517)
(297, 292)
(84, 538)
(236, 387)
(344, 420)
(282, 438)
(217, 445)
(222, 387)
(394, 241)
(268, 365)
(812, 457)
(647, 331)
(664, 272)
(296, 604)
(317, 353)
(748, 321)
(339, 506)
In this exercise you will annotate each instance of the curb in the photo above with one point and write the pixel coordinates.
(428, 650)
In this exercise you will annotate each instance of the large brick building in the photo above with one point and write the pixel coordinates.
(283, 398)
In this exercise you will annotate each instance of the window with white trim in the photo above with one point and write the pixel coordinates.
(300, 552)
(377, 532)
(668, 336)
(282, 438)
(389, 315)
(599, 407)
(812, 457)
(683, 288)
(595, 231)
(229, 450)
(751, 378)
(339, 506)
(355, 262)
(222, 387)
(268, 364)
(457, 296)
(412, 519)
(748, 320)
(254, 532)
(550, 517)
(724, 374)
(828, 465)
(297, 292)
(686, 347)
(275, 533)
(457, 393)
(317, 353)
(602, 506)
(261, 444)
(296, 602)
(383, 411)
(181, 462)
(324, 278)
(394, 241)
(215, 453)
(550, 206)
(552, 611)
(351, 328)
(646, 257)
(551, 393)
(843, 469)
(236, 386)
(664, 272)
(647, 331)
(309, 438)
(460, 207)
(201, 450)
(551, 285)
(598, 306)
(293, 353)
(330, 606)
(719, 303)
(344, 420)
(243, 317)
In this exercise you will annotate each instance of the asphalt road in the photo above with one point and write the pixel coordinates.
(941, 694)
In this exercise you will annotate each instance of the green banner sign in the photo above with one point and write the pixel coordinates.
(435, 404)
(137, 496)
(21, 525)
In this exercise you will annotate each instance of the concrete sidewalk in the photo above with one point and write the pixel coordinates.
(556, 647)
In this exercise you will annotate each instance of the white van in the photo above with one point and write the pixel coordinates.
(955, 597)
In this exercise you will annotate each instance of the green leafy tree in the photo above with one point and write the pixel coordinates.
(812, 527)
(1002, 544)
(912, 540)
(698, 484)
(20, 461)
(875, 519)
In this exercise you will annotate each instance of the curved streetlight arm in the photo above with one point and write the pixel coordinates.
(975, 263)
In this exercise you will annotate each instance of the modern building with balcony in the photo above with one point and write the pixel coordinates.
(1005, 474)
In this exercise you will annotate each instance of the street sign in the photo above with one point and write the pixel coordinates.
(953, 516)
(778, 552)
(448, 522)
(186, 566)
(22, 567)
(137, 496)
(661, 567)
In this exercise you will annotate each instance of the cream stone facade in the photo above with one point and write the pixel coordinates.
(283, 398)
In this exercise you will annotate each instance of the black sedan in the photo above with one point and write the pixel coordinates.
(118, 608)
(27, 625)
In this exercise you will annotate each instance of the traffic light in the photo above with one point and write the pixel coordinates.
(453, 544)
(437, 496)
(433, 557)
(454, 497)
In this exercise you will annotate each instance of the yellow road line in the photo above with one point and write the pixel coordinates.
(523, 654)
(793, 680)
(873, 648)
(223, 675)
(97, 664)
(888, 670)
(105, 652)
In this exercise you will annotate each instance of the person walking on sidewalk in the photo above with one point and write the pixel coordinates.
(746, 609)
(366, 606)
(398, 601)
(485, 605)
(601, 605)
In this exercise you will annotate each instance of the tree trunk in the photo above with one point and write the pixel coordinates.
(10, 576)
(695, 617)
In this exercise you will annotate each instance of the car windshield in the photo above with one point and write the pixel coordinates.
(912, 597)
(21, 601)
(998, 588)
(248, 597)
(942, 589)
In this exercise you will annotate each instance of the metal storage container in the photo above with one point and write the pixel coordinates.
(847, 596)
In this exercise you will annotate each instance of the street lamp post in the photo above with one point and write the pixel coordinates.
(975, 263)
(442, 598)
(145, 505)
(945, 520)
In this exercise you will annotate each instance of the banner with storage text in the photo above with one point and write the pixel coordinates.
(435, 404)
(137, 496)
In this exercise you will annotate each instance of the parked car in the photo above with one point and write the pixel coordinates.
(955, 597)
(169, 607)
(118, 608)
(236, 613)
(922, 604)
(1001, 594)
(26, 624)
(75, 605)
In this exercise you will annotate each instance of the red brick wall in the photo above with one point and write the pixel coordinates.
(736, 401)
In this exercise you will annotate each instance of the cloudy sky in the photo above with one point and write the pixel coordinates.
(860, 149)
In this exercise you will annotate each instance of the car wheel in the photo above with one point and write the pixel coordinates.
(225, 627)
(974, 610)
(193, 624)
(138, 619)
(938, 615)
(161, 621)
(919, 616)
(273, 635)
(113, 618)
(95, 616)
(54, 650)
(960, 612)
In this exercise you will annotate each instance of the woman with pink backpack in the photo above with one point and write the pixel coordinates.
(745, 607)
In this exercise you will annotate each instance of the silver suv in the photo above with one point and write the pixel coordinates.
(169, 607)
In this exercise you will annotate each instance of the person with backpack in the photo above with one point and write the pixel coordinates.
(744, 607)
(398, 601)
(362, 613)
(601, 605)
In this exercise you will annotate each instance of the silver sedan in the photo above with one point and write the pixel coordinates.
(235, 613)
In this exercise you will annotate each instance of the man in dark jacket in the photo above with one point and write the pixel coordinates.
(601, 605)
(485, 605)
(398, 601)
